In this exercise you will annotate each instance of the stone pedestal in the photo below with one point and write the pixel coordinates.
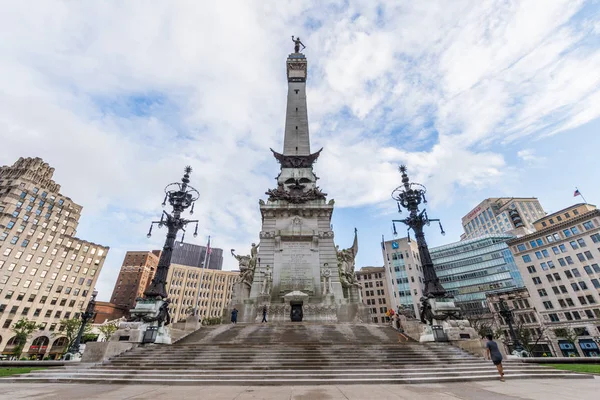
(102, 351)
(448, 326)
(353, 295)
(192, 323)
(145, 312)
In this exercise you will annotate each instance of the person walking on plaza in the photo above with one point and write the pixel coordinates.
(234, 314)
(493, 353)
(264, 314)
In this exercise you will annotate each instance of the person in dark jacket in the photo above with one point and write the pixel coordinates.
(264, 314)
(234, 314)
(493, 353)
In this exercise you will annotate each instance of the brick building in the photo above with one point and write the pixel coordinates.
(134, 277)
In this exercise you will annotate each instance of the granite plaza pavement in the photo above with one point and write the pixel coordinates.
(535, 389)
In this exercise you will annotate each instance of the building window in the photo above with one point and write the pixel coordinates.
(567, 232)
(526, 258)
(555, 290)
(563, 289)
(548, 305)
(569, 260)
(568, 274)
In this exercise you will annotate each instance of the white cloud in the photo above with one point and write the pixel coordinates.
(440, 86)
(528, 155)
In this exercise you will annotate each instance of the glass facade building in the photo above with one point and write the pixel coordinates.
(471, 268)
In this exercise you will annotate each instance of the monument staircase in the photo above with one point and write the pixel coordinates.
(292, 354)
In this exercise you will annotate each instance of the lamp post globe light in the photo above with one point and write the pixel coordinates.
(86, 316)
(437, 307)
(153, 310)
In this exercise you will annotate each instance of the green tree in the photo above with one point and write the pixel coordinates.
(483, 326)
(108, 329)
(567, 334)
(23, 330)
(71, 327)
(528, 337)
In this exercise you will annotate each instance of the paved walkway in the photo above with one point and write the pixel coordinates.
(538, 389)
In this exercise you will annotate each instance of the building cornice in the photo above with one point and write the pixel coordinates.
(556, 227)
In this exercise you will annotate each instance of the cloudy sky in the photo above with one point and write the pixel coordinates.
(478, 98)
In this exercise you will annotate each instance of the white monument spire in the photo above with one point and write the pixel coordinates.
(296, 141)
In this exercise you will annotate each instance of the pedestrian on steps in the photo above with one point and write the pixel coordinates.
(264, 314)
(493, 353)
(234, 314)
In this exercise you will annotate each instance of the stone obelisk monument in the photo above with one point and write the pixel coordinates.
(296, 270)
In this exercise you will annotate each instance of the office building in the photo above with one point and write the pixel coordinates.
(135, 275)
(467, 270)
(47, 274)
(471, 268)
(559, 264)
(402, 265)
(497, 215)
(183, 284)
(193, 255)
(375, 292)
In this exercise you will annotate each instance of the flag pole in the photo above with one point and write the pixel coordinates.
(206, 253)
(584, 200)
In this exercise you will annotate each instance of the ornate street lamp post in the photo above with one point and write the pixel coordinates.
(409, 196)
(507, 314)
(153, 310)
(86, 316)
(180, 196)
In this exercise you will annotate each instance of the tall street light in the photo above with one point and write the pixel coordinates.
(507, 314)
(180, 196)
(86, 316)
(409, 196)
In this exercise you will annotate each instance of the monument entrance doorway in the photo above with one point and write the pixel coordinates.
(296, 313)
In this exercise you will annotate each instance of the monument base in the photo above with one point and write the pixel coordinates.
(148, 328)
(446, 324)
(102, 351)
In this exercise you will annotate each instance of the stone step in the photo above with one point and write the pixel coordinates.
(246, 349)
(293, 380)
(279, 373)
(268, 366)
(461, 368)
(256, 361)
(244, 355)
(264, 367)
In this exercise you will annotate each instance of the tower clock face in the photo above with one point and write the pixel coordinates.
(394, 245)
